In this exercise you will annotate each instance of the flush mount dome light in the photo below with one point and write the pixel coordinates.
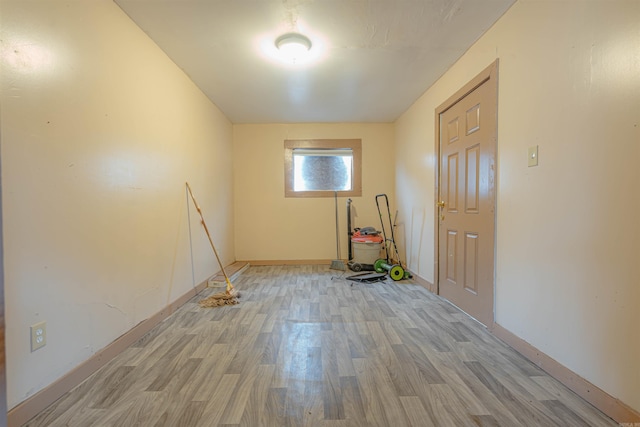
(293, 46)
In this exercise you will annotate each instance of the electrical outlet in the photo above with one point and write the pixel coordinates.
(38, 335)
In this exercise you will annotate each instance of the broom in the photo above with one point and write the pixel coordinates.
(230, 295)
(337, 264)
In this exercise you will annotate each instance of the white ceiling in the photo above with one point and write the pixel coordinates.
(373, 58)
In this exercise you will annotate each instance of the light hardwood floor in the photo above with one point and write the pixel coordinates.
(305, 347)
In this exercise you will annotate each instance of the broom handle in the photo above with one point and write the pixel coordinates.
(337, 233)
(204, 224)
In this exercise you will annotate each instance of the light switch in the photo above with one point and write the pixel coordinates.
(533, 156)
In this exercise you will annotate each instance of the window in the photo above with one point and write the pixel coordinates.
(318, 167)
(322, 169)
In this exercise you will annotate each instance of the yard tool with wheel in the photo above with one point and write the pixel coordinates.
(396, 272)
(230, 295)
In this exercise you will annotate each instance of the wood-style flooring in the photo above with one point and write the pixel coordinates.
(305, 347)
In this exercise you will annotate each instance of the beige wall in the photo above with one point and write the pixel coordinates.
(272, 227)
(568, 235)
(100, 131)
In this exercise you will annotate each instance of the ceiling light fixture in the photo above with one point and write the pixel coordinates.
(293, 46)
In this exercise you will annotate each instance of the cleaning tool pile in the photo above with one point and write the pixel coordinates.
(230, 295)
(390, 264)
(338, 263)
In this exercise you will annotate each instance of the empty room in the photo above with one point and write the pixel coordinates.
(320, 213)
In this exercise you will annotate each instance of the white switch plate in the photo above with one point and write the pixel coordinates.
(38, 335)
(533, 156)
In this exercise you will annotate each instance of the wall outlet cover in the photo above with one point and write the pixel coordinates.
(38, 335)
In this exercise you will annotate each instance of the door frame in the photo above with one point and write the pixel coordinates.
(3, 359)
(490, 76)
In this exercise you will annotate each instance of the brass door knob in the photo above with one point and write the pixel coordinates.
(440, 203)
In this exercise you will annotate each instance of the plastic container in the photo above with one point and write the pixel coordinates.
(366, 252)
(366, 248)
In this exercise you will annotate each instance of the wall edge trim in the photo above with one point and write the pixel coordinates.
(33, 405)
(423, 282)
(609, 405)
(289, 262)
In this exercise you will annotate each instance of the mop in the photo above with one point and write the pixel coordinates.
(230, 295)
(337, 264)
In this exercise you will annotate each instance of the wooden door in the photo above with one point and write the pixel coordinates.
(466, 197)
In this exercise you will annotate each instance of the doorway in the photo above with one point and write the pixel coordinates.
(466, 138)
